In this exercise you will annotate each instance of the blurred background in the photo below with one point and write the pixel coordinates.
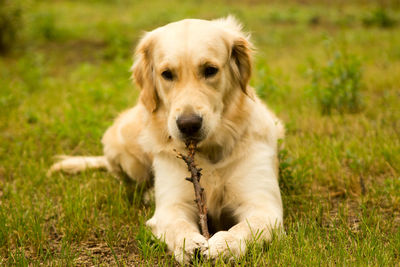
(330, 70)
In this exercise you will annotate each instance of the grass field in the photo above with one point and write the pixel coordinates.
(68, 77)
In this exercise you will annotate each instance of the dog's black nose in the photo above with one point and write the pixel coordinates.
(189, 125)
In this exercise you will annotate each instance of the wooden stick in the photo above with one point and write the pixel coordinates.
(198, 190)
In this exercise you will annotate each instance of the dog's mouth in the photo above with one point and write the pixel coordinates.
(197, 138)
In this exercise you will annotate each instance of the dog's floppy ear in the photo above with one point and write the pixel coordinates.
(240, 51)
(241, 63)
(142, 72)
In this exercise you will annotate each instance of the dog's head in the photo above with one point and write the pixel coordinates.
(190, 69)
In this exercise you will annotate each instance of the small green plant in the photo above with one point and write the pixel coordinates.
(118, 44)
(292, 172)
(337, 85)
(44, 26)
(267, 84)
(32, 71)
(379, 17)
(10, 23)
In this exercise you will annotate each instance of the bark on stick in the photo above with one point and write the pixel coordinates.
(198, 190)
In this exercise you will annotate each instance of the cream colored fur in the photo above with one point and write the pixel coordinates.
(238, 152)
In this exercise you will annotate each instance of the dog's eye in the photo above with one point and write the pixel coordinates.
(167, 75)
(210, 72)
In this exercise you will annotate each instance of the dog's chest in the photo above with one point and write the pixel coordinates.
(220, 202)
(217, 189)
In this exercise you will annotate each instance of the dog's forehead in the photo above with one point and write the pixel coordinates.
(200, 39)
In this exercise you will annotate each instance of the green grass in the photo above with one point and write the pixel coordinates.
(68, 77)
(336, 86)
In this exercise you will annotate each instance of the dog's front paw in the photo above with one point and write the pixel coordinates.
(224, 244)
(188, 246)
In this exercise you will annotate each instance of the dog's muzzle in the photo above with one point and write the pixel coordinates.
(190, 125)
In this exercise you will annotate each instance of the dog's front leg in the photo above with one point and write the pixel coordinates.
(253, 195)
(175, 217)
(179, 232)
(232, 243)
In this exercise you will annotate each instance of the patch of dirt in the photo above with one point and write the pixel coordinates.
(95, 252)
(351, 208)
(75, 51)
(91, 252)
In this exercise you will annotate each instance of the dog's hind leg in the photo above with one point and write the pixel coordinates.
(76, 164)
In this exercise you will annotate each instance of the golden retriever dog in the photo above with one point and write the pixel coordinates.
(194, 80)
